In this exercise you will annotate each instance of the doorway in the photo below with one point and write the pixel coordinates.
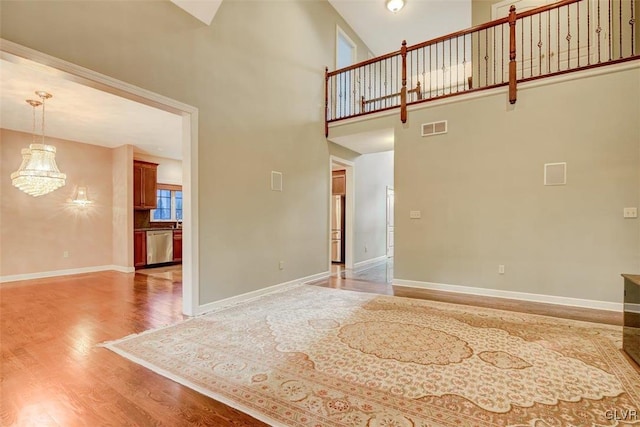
(338, 193)
(390, 221)
(341, 213)
(16, 53)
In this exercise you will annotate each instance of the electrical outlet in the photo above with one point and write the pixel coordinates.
(281, 265)
(415, 214)
(630, 213)
(65, 254)
(501, 269)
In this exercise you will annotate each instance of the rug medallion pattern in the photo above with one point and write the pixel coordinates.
(311, 356)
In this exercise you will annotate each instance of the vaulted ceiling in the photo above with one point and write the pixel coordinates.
(80, 113)
(418, 21)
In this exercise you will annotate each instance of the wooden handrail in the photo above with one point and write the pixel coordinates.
(512, 56)
(495, 28)
(403, 91)
(326, 101)
(542, 9)
(363, 63)
(417, 90)
(460, 33)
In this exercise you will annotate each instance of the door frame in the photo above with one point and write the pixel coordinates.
(390, 190)
(354, 53)
(349, 211)
(17, 53)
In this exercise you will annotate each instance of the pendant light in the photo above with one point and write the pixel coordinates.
(38, 174)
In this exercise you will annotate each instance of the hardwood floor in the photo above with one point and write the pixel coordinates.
(377, 279)
(53, 374)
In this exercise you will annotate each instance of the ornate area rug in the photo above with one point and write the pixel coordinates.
(311, 356)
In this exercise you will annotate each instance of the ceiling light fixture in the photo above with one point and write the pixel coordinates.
(395, 5)
(38, 174)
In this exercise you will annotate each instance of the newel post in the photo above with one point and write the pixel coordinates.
(403, 91)
(512, 55)
(326, 102)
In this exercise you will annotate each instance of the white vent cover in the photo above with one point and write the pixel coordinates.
(276, 181)
(434, 128)
(555, 173)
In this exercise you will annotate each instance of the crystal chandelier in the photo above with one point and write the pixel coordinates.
(38, 174)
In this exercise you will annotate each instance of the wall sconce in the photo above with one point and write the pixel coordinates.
(81, 199)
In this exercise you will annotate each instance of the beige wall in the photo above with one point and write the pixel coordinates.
(37, 230)
(480, 190)
(122, 179)
(374, 173)
(637, 27)
(342, 152)
(481, 11)
(256, 75)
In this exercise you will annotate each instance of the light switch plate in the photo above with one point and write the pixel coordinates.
(630, 212)
(415, 214)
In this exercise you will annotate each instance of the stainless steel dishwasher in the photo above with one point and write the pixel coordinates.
(159, 246)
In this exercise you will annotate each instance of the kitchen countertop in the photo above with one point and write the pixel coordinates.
(156, 229)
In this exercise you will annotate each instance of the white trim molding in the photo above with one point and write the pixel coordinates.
(632, 308)
(520, 296)
(350, 209)
(17, 53)
(368, 263)
(247, 296)
(67, 272)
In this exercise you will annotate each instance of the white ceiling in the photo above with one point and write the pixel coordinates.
(83, 114)
(367, 142)
(203, 10)
(80, 113)
(383, 32)
(419, 21)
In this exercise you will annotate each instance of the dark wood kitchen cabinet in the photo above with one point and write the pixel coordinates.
(631, 328)
(139, 248)
(177, 245)
(339, 185)
(145, 176)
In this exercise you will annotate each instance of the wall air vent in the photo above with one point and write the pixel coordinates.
(434, 128)
(555, 173)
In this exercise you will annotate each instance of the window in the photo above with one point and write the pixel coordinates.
(178, 199)
(169, 203)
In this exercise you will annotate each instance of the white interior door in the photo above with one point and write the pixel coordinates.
(390, 221)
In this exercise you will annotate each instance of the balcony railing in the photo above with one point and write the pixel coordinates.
(567, 36)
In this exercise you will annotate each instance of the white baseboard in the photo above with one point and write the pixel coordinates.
(216, 305)
(123, 269)
(522, 296)
(632, 308)
(369, 262)
(56, 273)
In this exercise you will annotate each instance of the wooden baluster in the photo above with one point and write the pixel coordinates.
(326, 102)
(419, 91)
(403, 91)
(362, 104)
(512, 55)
